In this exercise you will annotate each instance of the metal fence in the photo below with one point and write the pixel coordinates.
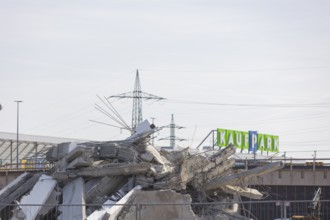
(256, 210)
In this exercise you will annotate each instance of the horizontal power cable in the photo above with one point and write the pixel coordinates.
(239, 71)
(311, 105)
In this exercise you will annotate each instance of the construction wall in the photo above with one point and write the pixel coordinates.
(296, 199)
(296, 177)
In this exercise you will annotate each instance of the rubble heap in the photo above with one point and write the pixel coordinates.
(131, 172)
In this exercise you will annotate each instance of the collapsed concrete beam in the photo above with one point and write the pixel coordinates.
(13, 185)
(245, 175)
(106, 186)
(110, 170)
(156, 155)
(192, 166)
(142, 130)
(220, 169)
(110, 212)
(38, 195)
(74, 200)
(223, 155)
(106, 150)
(50, 203)
(113, 212)
(144, 181)
(161, 171)
(127, 154)
(175, 157)
(217, 171)
(25, 186)
(172, 183)
(245, 192)
(116, 151)
(59, 151)
(114, 170)
(80, 162)
(77, 152)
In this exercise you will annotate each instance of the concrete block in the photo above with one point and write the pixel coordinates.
(74, 200)
(38, 195)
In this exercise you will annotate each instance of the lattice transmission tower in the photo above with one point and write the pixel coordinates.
(172, 136)
(137, 95)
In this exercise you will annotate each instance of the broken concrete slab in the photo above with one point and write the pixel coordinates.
(160, 205)
(77, 152)
(108, 170)
(59, 151)
(113, 170)
(80, 162)
(223, 155)
(13, 185)
(113, 211)
(110, 211)
(245, 192)
(147, 157)
(74, 200)
(38, 195)
(106, 186)
(51, 202)
(157, 157)
(200, 179)
(24, 185)
(218, 182)
(175, 157)
(191, 167)
(126, 154)
(143, 130)
(144, 181)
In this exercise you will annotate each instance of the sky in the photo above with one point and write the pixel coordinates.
(235, 64)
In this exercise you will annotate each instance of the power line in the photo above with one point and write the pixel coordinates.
(311, 105)
(243, 71)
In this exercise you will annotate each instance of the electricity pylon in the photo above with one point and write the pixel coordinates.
(172, 136)
(137, 95)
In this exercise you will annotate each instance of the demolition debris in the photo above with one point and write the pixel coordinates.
(108, 180)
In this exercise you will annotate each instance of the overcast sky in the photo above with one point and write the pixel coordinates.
(57, 55)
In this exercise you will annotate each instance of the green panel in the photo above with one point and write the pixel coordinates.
(221, 137)
(237, 138)
(276, 144)
(230, 137)
(240, 139)
(261, 142)
(246, 140)
(269, 143)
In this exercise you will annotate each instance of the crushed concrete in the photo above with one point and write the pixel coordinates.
(131, 177)
(160, 205)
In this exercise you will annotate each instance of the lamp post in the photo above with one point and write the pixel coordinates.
(17, 132)
(153, 135)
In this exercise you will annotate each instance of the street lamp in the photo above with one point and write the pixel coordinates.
(17, 132)
(153, 135)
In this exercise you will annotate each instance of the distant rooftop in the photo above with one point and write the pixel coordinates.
(30, 146)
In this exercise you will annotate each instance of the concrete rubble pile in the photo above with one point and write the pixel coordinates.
(129, 179)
